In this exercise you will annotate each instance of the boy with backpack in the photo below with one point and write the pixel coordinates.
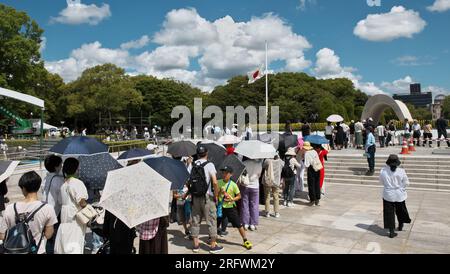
(204, 190)
(226, 208)
(29, 223)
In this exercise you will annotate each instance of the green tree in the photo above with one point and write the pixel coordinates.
(160, 96)
(446, 107)
(104, 91)
(19, 48)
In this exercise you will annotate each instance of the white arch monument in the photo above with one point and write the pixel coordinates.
(377, 104)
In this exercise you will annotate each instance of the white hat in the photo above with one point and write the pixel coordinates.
(291, 152)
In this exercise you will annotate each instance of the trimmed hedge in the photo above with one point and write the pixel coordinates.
(21, 142)
(117, 146)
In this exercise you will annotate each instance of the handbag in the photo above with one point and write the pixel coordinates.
(86, 214)
(245, 180)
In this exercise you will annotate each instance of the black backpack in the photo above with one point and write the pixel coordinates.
(19, 239)
(197, 183)
(287, 171)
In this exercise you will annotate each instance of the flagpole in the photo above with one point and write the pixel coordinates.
(267, 85)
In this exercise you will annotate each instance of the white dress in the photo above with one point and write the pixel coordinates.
(70, 236)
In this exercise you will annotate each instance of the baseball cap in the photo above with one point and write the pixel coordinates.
(227, 169)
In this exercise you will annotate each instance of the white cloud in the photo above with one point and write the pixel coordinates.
(398, 23)
(87, 56)
(401, 86)
(328, 66)
(77, 13)
(398, 86)
(136, 44)
(43, 44)
(440, 6)
(222, 48)
(303, 3)
(413, 61)
(438, 90)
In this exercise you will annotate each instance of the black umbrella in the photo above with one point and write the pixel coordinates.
(173, 170)
(287, 141)
(236, 164)
(135, 153)
(94, 169)
(216, 153)
(182, 149)
(7, 169)
(79, 145)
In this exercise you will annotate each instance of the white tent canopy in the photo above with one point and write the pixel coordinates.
(22, 97)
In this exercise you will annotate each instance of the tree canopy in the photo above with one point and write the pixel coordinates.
(107, 92)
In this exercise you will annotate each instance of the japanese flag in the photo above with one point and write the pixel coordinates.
(255, 75)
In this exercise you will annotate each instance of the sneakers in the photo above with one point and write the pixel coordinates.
(276, 215)
(291, 204)
(247, 244)
(222, 233)
(267, 215)
(196, 249)
(246, 227)
(216, 249)
(252, 228)
(317, 202)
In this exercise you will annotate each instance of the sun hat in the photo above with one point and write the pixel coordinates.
(291, 152)
(307, 146)
(393, 160)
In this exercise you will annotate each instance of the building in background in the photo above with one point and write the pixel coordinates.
(416, 97)
(436, 107)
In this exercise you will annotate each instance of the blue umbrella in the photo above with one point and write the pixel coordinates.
(134, 153)
(173, 170)
(79, 145)
(94, 169)
(316, 139)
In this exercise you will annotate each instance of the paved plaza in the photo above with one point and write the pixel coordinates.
(349, 220)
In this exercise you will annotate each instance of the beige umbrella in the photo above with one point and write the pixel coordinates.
(229, 140)
(136, 194)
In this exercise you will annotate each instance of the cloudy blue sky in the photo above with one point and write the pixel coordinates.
(204, 42)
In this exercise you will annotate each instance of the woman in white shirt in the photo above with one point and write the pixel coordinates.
(250, 194)
(395, 182)
(329, 134)
(71, 233)
(313, 164)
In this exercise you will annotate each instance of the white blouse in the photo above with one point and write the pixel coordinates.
(395, 184)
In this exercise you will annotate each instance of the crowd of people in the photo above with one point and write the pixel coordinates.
(55, 229)
(354, 135)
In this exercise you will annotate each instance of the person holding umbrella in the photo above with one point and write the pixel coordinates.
(313, 165)
(395, 181)
(203, 175)
(74, 195)
(250, 193)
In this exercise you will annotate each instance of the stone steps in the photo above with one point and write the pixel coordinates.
(364, 181)
(379, 165)
(413, 174)
(424, 172)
